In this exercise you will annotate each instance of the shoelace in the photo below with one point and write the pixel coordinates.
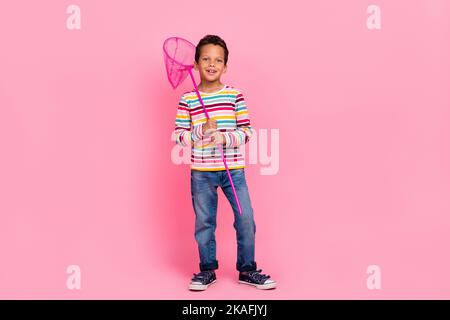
(202, 275)
(258, 276)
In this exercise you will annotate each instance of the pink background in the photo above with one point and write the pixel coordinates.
(87, 179)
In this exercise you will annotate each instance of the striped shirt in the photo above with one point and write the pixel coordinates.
(228, 107)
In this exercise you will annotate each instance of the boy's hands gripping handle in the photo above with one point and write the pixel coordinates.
(209, 126)
(209, 129)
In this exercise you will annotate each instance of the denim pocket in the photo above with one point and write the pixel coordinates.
(237, 171)
(238, 176)
(202, 181)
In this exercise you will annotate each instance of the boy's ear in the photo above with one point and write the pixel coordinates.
(195, 66)
(225, 69)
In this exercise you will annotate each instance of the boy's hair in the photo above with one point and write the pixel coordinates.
(211, 39)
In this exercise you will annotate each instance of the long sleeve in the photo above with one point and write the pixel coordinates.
(244, 131)
(184, 135)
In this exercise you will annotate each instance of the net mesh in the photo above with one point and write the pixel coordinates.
(179, 55)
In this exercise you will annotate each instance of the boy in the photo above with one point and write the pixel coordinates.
(229, 125)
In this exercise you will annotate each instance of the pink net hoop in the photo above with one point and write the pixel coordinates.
(179, 55)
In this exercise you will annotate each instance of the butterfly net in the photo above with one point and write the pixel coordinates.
(179, 55)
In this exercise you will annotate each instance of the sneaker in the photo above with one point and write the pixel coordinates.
(257, 279)
(202, 280)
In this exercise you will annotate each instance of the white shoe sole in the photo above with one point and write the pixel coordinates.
(200, 287)
(266, 286)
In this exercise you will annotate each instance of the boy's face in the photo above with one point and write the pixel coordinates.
(211, 63)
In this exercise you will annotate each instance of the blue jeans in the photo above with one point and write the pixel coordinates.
(204, 199)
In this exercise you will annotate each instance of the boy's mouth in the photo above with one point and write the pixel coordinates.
(210, 71)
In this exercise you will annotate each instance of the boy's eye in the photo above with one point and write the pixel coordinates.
(218, 60)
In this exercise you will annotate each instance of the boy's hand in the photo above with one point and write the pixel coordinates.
(218, 138)
(210, 126)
